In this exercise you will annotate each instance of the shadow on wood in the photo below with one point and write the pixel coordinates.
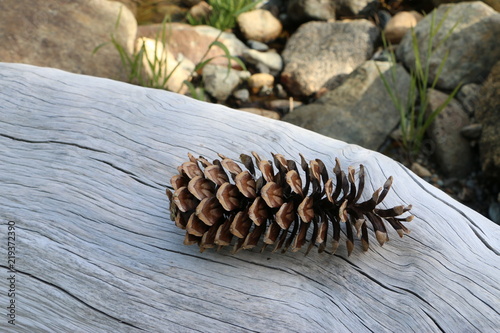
(84, 165)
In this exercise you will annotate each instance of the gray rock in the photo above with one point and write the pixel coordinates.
(318, 52)
(488, 114)
(383, 17)
(494, 212)
(450, 149)
(354, 7)
(468, 95)
(472, 131)
(59, 34)
(259, 46)
(270, 59)
(307, 10)
(495, 4)
(473, 45)
(218, 82)
(279, 91)
(359, 111)
(242, 95)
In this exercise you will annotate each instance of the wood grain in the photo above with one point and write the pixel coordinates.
(84, 165)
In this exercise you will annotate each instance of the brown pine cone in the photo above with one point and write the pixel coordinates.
(218, 201)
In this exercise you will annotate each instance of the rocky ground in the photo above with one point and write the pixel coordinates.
(316, 64)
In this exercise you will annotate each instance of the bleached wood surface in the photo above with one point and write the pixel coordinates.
(84, 164)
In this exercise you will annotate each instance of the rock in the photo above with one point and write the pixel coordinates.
(355, 7)
(270, 59)
(308, 10)
(359, 111)
(488, 114)
(472, 131)
(494, 212)
(468, 95)
(420, 170)
(149, 12)
(257, 81)
(279, 91)
(169, 73)
(383, 18)
(283, 106)
(262, 112)
(473, 45)
(219, 83)
(192, 42)
(399, 25)
(318, 52)
(451, 150)
(59, 34)
(259, 46)
(200, 10)
(130, 4)
(265, 91)
(495, 4)
(190, 3)
(242, 95)
(259, 25)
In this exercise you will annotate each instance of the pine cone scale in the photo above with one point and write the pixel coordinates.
(268, 201)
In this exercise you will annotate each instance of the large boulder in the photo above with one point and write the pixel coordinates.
(359, 111)
(488, 113)
(63, 34)
(191, 42)
(473, 45)
(495, 4)
(451, 150)
(185, 47)
(319, 52)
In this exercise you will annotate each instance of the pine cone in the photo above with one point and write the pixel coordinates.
(215, 207)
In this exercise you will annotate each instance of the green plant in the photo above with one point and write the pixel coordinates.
(223, 14)
(156, 74)
(157, 63)
(414, 118)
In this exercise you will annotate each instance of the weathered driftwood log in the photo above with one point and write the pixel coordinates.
(84, 166)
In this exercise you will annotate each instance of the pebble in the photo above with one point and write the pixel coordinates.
(200, 10)
(262, 112)
(399, 25)
(242, 94)
(259, 80)
(472, 131)
(259, 25)
(256, 45)
(219, 83)
(279, 91)
(420, 170)
(283, 105)
(468, 95)
(265, 91)
(494, 212)
(270, 59)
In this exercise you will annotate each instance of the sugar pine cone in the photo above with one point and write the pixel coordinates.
(219, 201)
